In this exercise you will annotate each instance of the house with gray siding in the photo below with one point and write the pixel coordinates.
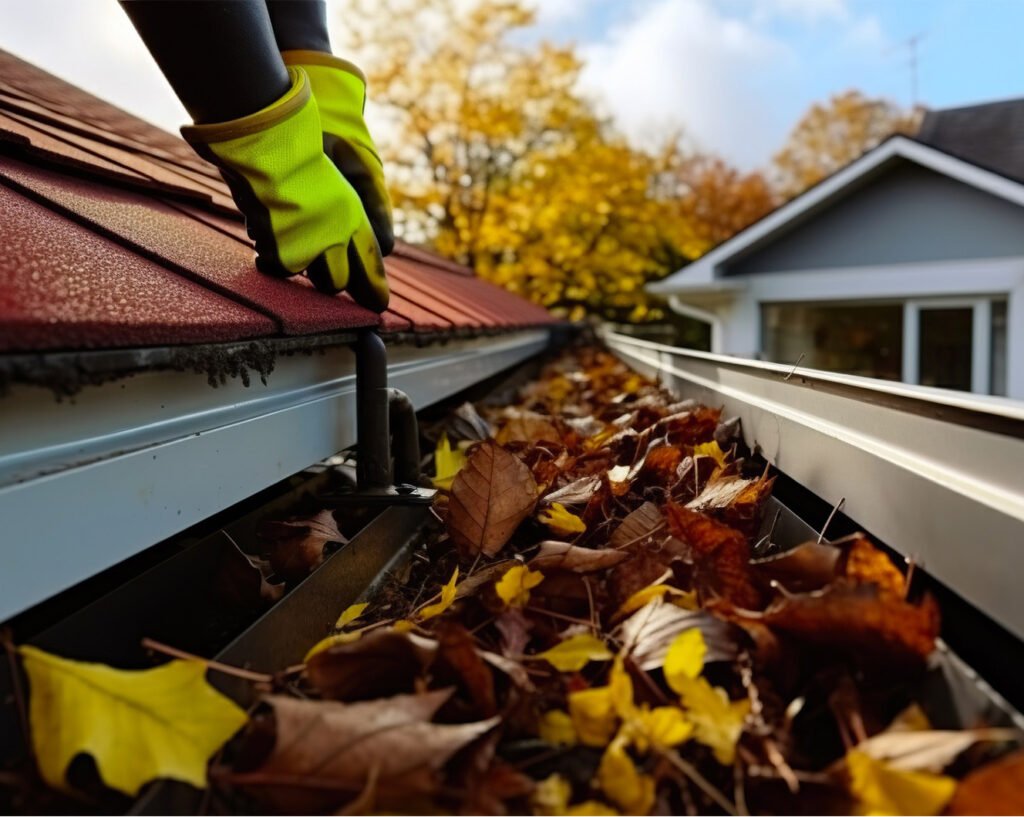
(906, 265)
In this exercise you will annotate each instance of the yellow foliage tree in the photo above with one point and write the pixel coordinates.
(832, 135)
(496, 161)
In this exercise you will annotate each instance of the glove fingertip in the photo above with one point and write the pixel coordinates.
(329, 272)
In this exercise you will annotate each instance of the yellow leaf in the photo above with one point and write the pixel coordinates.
(447, 597)
(330, 641)
(662, 727)
(551, 795)
(590, 808)
(685, 658)
(350, 614)
(514, 586)
(575, 653)
(403, 625)
(717, 721)
(711, 449)
(138, 725)
(647, 594)
(593, 715)
(621, 686)
(619, 779)
(884, 790)
(447, 463)
(556, 728)
(560, 521)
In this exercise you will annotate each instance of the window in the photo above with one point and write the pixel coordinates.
(997, 383)
(861, 339)
(944, 347)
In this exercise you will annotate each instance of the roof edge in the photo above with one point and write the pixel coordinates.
(896, 146)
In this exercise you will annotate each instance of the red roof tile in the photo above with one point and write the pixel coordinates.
(62, 286)
(119, 187)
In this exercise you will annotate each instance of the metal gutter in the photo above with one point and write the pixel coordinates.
(88, 483)
(935, 474)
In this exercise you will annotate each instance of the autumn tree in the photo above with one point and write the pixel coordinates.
(832, 135)
(708, 200)
(495, 160)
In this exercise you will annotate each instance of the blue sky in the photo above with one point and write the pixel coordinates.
(733, 75)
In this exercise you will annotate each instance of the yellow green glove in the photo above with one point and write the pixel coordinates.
(339, 88)
(299, 210)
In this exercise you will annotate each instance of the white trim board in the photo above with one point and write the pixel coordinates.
(703, 270)
(184, 452)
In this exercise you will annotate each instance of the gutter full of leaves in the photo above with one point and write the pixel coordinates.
(588, 626)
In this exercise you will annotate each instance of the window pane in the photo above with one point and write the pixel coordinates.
(945, 353)
(999, 348)
(852, 338)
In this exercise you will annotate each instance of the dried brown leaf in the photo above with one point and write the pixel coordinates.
(346, 743)
(649, 632)
(721, 556)
(297, 545)
(528, 427)
(992, 789)
(491, 495)
(378, 664)
(563, 556)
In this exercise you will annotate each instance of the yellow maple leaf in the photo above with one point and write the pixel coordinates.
(350, 614)
(555, 727)
(662, 727)
(881, 789)
(514, 586)
(684, 659)
(447, 597)
(330, 641)
(561, 521)
(593, 715)
(448, 462)
(576, 652)
(621, 782)
(717, 721)
(711, 449)
(138, 725)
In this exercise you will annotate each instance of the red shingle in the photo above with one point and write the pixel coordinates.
(221, 262)
(62, 286)
(162, 208)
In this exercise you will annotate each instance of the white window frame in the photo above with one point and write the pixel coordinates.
(981, 338)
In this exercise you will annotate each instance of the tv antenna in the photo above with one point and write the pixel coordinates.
(911, 45)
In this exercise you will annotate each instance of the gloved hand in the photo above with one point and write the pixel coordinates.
(339, 89)
(299, 210)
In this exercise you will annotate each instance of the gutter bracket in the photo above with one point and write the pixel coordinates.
(388, 462)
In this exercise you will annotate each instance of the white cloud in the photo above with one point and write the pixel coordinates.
(808, 11)
(93, 45)
(685, 62)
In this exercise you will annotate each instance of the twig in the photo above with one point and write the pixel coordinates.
(835, 510)
(19, 694)
(701, 782)
(561, 616)
(741, 796)
(590, 601)
(227, 669)
(911, 566)
(793, 370)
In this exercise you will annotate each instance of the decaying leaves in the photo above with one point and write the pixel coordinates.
(296, 547)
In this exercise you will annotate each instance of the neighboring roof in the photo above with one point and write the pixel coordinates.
(990, 135)
(702, 274)
(115, 234)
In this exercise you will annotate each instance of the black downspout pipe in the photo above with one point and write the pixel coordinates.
(373, 466)
(406, 442)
